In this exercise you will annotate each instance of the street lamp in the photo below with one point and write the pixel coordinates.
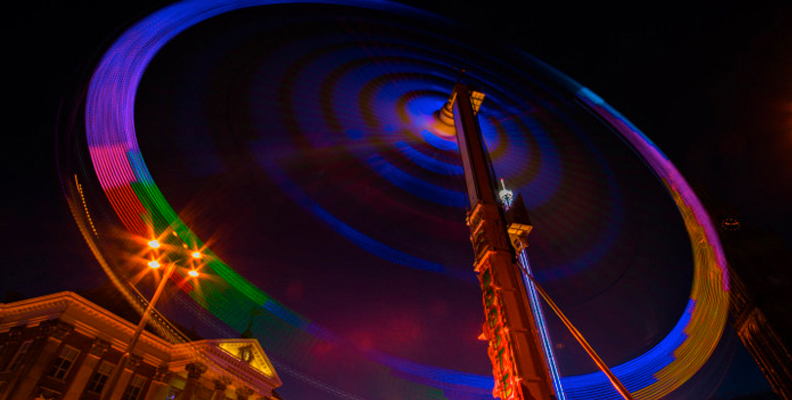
(113, 381)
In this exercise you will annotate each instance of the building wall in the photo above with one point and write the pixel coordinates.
(54, 347)
(760, 294)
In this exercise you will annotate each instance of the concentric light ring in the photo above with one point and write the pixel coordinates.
(133, 195)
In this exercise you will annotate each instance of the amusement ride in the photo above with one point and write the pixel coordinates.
(354, 141)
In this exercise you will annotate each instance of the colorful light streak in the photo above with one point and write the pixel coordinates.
(547, 344)
(507, 197)
(123, 175)
(507, 137)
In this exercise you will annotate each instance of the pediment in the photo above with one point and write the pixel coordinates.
(257, 359)
(245, 356)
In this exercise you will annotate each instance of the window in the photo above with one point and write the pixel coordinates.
(19, 356)
(132, 391)
(64, 362)
(99, 377)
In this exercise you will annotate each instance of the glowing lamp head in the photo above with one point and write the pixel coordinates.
(196, 254)
(154, 244)
(193, 273)
(154, 264)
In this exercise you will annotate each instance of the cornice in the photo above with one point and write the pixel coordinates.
(87, 317)
(35, 310)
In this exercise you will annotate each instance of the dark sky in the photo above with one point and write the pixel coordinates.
(709, 86)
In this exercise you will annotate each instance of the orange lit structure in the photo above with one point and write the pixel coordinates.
(64, 346)
(518, 361)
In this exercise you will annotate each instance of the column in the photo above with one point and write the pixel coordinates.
(13, 339)
(14, 336)
(158, 388)
(126, 375)
(194, 372)
(98, 350)
(220, 385)
(243, 392)
(50, 335)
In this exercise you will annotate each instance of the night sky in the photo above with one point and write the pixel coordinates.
(709, 86)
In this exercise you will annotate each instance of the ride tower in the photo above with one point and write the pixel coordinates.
(498, 235)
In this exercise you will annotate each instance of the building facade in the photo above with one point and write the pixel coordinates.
(62, 346)
(760, 288)
(760, 308)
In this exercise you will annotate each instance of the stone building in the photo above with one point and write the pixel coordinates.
(760, 287)
(62, 346)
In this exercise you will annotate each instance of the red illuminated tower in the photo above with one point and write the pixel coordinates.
(515, 349)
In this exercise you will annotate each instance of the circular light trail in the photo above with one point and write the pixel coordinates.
(140, 205)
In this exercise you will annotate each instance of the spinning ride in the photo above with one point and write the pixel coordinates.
(335, 127)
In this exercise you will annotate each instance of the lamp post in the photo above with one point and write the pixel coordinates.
(119, 368)
(113, 381)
